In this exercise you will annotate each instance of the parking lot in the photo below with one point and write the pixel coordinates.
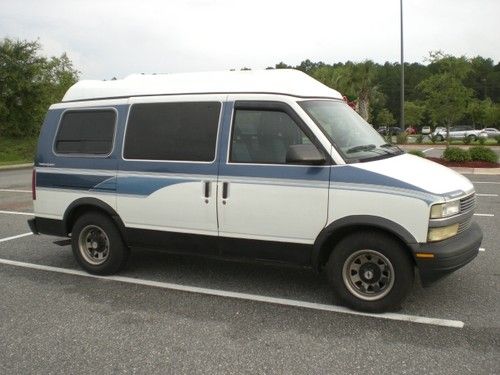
(174, 314)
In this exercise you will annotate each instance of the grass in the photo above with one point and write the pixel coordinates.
(17, 150)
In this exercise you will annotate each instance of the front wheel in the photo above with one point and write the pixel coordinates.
(370, 272)
(97, 244)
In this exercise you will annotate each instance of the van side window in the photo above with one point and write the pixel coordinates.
(262, 136)
(87, 132)
(172, 131)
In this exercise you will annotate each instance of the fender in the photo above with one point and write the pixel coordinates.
(340, 226)
(92, 202)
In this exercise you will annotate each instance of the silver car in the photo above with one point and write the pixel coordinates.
(460, 132)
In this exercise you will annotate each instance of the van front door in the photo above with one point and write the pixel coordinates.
(268, 208)
(167, 179)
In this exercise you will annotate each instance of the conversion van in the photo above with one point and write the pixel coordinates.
(255, 165)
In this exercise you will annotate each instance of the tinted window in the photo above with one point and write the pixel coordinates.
(86, 132)
(172, 131)
(263, 136)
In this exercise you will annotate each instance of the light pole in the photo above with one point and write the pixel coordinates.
(402, 117)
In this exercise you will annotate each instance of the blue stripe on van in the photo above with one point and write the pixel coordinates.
(135, 185)
(351, 175)
(69, 181)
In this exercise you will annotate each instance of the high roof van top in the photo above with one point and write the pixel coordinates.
(280, 81)
(255, 165)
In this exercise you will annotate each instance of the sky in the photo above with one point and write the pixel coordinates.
(106, 39)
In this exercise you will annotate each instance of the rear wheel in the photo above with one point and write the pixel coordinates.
(370, 272)
(97, 244)
(439, 138)
(472, 138)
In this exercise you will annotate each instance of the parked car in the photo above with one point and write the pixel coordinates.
(491, 132)
(393, 130)
(426, 130)
(460, 132)
(219, 164)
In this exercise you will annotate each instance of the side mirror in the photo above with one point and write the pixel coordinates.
(304, 154)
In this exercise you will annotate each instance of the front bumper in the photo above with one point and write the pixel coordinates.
(449, 255)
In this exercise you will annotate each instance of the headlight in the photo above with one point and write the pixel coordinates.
(442, 233)
(439, 211)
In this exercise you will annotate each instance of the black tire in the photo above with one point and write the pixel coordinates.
(346, 254)
(439, 138)
(472, 138)
(96, 228)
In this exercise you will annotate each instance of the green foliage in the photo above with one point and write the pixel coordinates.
(402, 138)
(497, 138)
(467, 140)
(29, 83)
(482, 141)
(481, 153)
(456, 154)
(420, 138)
(385, 118)
(17, 151)
(417, 153)
(445, 97)
(413, 113)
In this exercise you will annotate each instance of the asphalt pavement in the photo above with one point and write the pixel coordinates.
(54, 322)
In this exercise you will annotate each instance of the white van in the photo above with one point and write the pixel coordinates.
(256, 165)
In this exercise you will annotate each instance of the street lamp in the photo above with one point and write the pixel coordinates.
(402, 117)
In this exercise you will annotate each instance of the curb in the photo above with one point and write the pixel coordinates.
(483, 171)
(16, 166)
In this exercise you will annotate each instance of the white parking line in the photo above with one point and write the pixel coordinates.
(14, 237)
(486, 182)
(487, 215)
(482, 249)
(486, 195)
(428, 149)
(14, 191)
(242, 296)
(17, 213)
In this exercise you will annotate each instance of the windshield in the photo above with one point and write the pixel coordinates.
(352, 136)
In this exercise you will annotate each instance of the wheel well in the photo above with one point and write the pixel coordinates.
(329, 244)
(80, 210)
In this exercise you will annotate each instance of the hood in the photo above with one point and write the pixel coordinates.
(421, 173)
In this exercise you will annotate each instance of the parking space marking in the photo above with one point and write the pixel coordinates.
(486, 215)
(14, 191)
(14, 237)
(486, 182)
(17, 213)
(429, 149)
(482, 249)
(241, 296)
(486, 195)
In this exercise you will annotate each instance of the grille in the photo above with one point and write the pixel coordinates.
(467, 203)
(463, 226)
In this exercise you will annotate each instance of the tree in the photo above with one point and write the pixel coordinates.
(29, 83)
(446, 98)
(385, 118)
(413, 113)
(477, 110)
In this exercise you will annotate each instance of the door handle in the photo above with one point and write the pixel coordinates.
(206, 189)
(225, 189)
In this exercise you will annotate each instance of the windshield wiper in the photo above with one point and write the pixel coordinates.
(359, 148)
(389, 145)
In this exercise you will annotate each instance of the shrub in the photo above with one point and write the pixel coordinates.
(456, 154)
(420, 138)
(467, 140)
(481, 153)
(482, 140)
(401, 138)
(417, 153)
(497, 138)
